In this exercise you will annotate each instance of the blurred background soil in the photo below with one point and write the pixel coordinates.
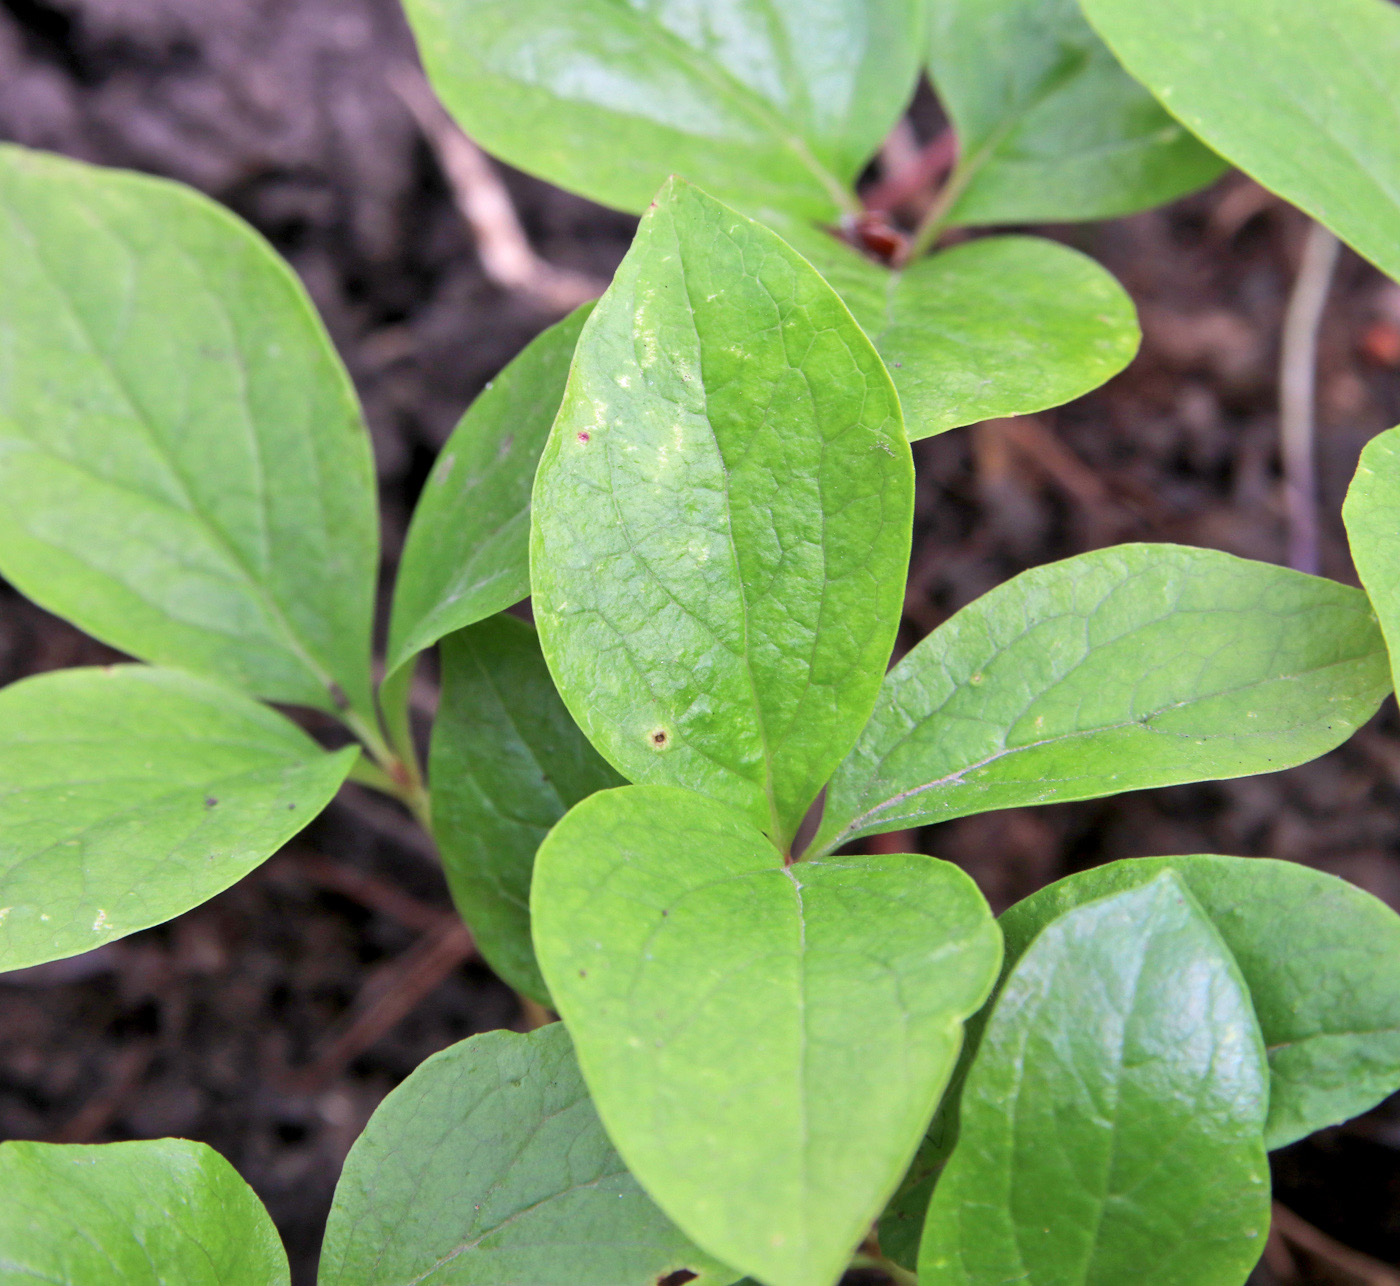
(272, 1020)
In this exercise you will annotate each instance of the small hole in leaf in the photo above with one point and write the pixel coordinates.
(660, 738)
(677, 1278)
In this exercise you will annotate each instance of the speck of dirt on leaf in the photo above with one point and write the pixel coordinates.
(210, 801)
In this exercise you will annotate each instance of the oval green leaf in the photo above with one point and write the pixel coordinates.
(1312, 111)
(467, 554)
(722, 517)
(1372, 516)
(184, 472)
(1049, 126)
(1137, 666)
(765, 1043)
(770, 104)
(506, 763)
(488, 1167)
(1321, 959)
(1111, 1121)
(166, 1212)
(133, 794)
(994, 327)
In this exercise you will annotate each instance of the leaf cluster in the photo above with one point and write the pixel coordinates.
(778, 1056)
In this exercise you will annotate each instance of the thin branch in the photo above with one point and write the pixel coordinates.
(127, 1071)
(1297, 395)
(506, 255)
(393, 992)
(1360, 1268)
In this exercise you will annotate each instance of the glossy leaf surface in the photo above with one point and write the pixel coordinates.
(166, 1212)
(769, 104)
(722, 517)
(133, 794)
(994, 327)
(507, 762)
(183, 468)
(1111, 1122)
(1321, 959)
(1141, 665)
(1372, 515)
(765, 1044)
(1304, 97)
(488, 1167)
(467, 554)
(1049, 126)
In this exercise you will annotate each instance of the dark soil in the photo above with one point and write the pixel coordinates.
(207, 1027)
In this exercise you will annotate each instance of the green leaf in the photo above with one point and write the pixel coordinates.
(1111, 1121)
(764, 1043)
(488, 1167)
(132, 794)
(183, 468)
(467, 555)
(722, 517)
(1049, 126)
(1304, 97)
(165, 1212)
(1321, 958)
(507, 762)
(1372, 516)
(770, 104)
(1141, 665)
(997, 326)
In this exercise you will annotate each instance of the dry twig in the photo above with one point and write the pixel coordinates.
(392, 993)
(1349, 1266)
(102, 1108)
(1296, 395)
(505, 251)
(371, 892)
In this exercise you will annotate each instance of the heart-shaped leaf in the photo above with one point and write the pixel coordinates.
(770, 104)
(1372, 515)
(490, 1159)
(1321, 960)
(997, 326)
(1141, 665)
(1111, 1122)
(467, 554)
(765, 1043)
(1304, 97)
(507, 762)
(1049, 126)
(153, 1213)
(132, 794)
(722, 517)
(183, 468)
